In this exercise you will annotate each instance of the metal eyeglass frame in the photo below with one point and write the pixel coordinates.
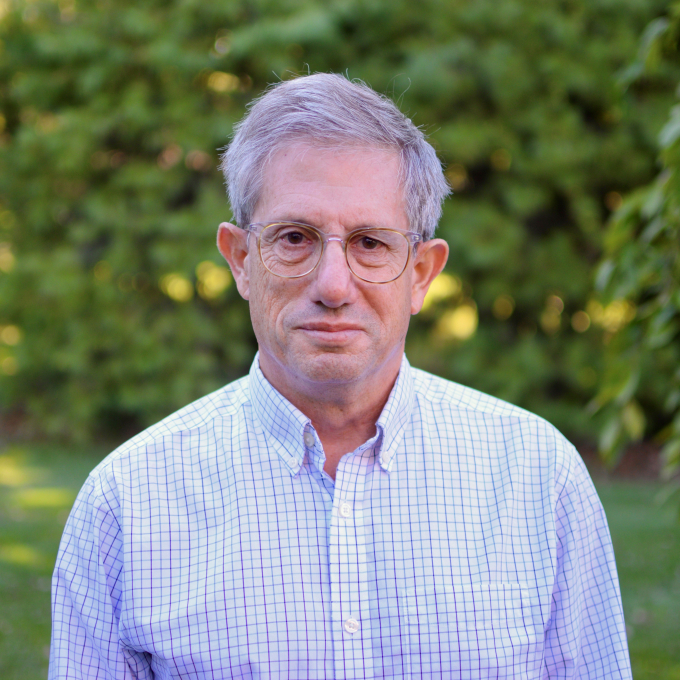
(412, 237)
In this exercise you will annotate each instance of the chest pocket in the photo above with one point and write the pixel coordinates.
(482, 630)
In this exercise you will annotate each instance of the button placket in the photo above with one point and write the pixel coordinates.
(348, 569)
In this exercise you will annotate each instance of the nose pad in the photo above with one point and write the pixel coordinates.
(338, 239)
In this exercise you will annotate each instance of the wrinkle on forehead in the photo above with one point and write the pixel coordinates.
(302, 147)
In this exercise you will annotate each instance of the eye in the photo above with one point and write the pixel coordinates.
(368, 243)
(294, 238)
(294, 235)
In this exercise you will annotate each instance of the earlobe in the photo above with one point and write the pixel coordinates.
(232, 243)
(430, 261)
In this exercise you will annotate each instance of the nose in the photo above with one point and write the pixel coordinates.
(333, 281)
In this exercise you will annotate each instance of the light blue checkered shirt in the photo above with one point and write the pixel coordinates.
(464, 540)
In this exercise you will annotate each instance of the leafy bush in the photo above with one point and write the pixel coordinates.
(114, 306)
(641, 269)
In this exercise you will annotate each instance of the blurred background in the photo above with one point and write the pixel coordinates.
(559, 126)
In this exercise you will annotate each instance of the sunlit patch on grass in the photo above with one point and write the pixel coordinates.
(46, 498)
(21, 555)
(15, 471)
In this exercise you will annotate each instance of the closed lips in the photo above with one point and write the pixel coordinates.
(328, 328)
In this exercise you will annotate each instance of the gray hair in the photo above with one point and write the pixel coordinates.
(332, 111)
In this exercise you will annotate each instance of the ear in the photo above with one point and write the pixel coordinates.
(232, 242)
(431, 257)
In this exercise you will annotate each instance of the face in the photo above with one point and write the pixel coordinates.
(330, 327)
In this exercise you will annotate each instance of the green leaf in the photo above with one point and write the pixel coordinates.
(633, 420)
(671, 130)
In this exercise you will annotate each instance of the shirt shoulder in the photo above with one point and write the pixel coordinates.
(517, 433)
(436, 390)
(221, 405)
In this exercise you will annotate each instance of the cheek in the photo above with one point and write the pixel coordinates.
(261, 306)
(394, 309)
(269, 306)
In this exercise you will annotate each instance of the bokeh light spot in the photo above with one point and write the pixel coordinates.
(169, 157)
(213, 280)
(458, 324)
(199, 161)
(219, 81)
(503, 307)
(555, 302)
(177, 287)
(580, 322)
(223, 43)
(9, 366)
(10, 335)
(551, 317)
(457, 176)
(614, 316)
(102, 271)
(6, 258)
(445, 286)
(550, 321)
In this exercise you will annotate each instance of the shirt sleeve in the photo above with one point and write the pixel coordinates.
(86, 595)
(586, 635)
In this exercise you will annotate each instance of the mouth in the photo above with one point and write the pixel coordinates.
(326, 327)
(333, 333)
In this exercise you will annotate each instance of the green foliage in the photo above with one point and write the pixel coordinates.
(109, 197)
(642, 267)
(110, 186)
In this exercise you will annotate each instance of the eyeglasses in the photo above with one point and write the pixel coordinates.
(292, 250)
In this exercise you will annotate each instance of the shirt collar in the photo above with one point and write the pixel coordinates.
(396, 415)
(285, 425)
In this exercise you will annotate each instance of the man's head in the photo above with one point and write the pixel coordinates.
(331, 112)
(337, 156)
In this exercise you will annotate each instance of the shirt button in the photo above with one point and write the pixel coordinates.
(345, 511)
(309, 439)
(351, 626)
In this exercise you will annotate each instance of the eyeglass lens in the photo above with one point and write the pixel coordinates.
(375, 255)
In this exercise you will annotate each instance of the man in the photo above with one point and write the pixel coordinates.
(336, 513)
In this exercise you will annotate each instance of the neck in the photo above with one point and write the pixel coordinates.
(344, 415)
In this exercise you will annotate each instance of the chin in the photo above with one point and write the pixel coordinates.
(333, 367)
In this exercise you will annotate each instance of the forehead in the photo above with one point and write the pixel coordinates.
(342, 188)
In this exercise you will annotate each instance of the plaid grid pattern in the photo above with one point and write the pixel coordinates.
(465, 540)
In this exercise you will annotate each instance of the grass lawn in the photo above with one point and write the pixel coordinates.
(647, 546)
(38, 485)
